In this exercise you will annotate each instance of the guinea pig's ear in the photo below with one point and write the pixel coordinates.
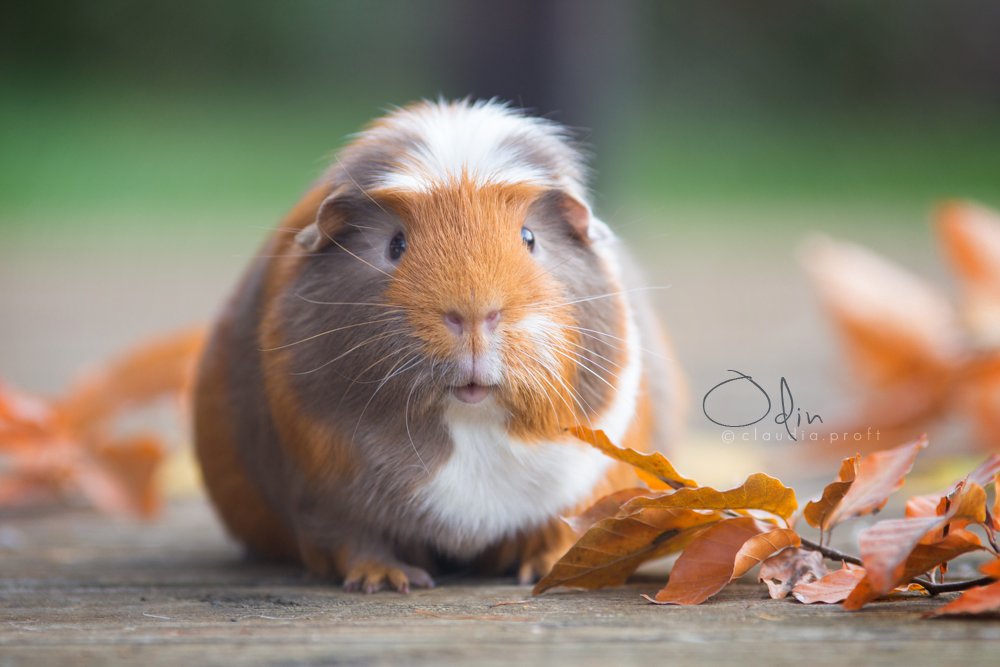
(575, 213)
(329, 220)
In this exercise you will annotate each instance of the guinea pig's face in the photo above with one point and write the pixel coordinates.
(453, 265)
(471, 269)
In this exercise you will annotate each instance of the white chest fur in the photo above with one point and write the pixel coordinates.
(494, 485)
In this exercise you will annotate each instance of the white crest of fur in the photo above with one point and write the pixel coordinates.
(487, 141)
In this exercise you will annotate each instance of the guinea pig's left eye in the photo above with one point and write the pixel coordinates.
(529, 238)
(397, 246)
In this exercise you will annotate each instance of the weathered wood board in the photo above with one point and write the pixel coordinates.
(78, 588)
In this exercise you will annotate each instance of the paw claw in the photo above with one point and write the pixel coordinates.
(372, 576)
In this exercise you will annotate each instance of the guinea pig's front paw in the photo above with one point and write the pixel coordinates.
(371, 576)
(534, 569)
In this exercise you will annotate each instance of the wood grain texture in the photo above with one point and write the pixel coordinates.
(77, 588)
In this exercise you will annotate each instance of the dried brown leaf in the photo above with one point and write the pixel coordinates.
(760, 548)
(923, 506)
(67, 448)
(758, 492)
(969, 234)
(973, 601)
(996, 504)
(832, 588)
(926, 505)
(784, 571)
(886, 546)
(131, 463)
(605, 508)
(896, 328)
(816, 513)
(976, 600)
(709, 562)
(923, 558)
(654, 469)
(23, 419)
(878, 476)
(613, 548)
(157, 367)
(986, 471)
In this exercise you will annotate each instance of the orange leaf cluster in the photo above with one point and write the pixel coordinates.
(721, 535)
(712, 528)
(918, 356)
(863, 486)
(71, 447)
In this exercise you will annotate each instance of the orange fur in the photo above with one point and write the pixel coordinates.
(320, 454)
(237, 500)
(497, 275)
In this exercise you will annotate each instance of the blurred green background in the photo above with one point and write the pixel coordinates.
(119, 105)
(145, 147)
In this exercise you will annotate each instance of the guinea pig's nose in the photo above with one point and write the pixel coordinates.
(454, 322)
(491, 320)
(459, 325)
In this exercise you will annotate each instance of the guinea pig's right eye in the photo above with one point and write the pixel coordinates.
(529, 238)
(397, 246)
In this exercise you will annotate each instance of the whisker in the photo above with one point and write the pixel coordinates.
(304, 256)
(568, 390)
(365, 192)
(587, 349)
(603, 333)
(555, 413)
(589, 370)
(357, 257)
(616, 241)
(406, 421)
(274, 229)
(347, 303)
(355, 381)
(406, 366)
(577, 354)
(346, 326)
(393, 353)
(605, 296)
(344, 354)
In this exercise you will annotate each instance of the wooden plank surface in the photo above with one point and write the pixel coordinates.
(78, 588)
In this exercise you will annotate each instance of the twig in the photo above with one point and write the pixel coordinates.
(930, 587)
(832, 554)
(937, 589)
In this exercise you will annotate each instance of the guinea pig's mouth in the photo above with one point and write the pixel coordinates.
(471, 393)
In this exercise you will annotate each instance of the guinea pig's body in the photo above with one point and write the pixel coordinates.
(390, 385)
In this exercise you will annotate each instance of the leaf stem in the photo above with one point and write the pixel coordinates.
(930, 587)
(937, 589)
(827, 552)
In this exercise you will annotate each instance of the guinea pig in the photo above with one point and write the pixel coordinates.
(387, 394)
